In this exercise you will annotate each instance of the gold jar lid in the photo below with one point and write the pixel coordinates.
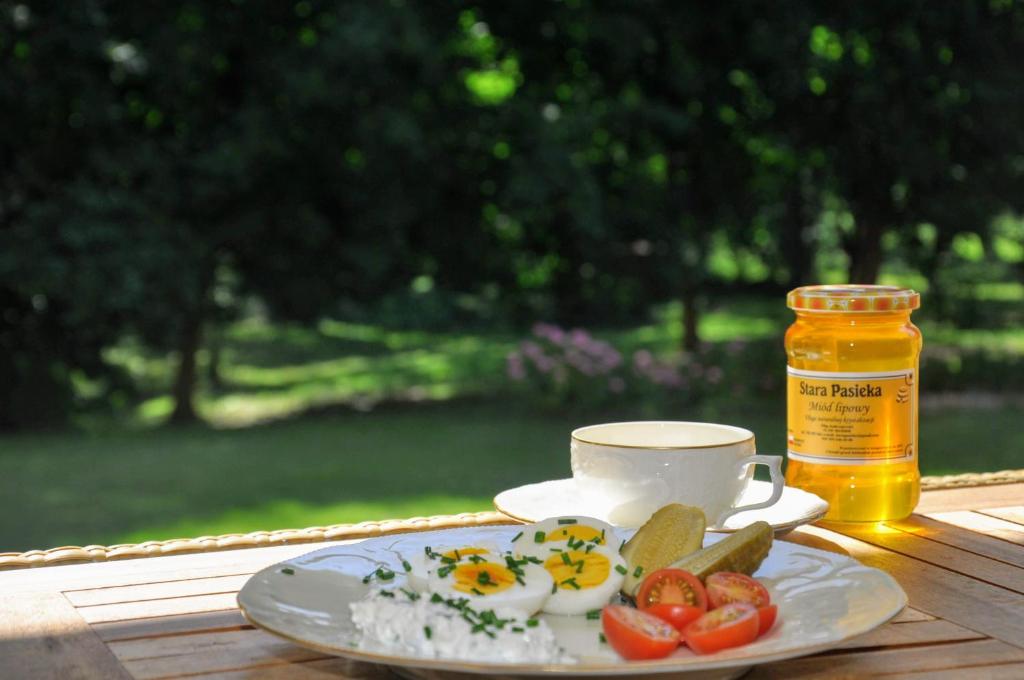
(852, 298)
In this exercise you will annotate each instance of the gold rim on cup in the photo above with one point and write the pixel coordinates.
(575, 436)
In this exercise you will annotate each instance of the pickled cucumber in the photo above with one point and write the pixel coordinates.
(670, 534)
(742, 551)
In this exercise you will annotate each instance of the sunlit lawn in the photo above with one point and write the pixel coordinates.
(132, 486)
(451, 443)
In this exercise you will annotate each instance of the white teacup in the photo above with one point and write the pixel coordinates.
(635, 468)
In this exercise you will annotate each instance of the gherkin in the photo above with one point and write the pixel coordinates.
(741, 552)
(671, 533)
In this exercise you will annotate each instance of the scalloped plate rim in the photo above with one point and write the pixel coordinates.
(675, 665)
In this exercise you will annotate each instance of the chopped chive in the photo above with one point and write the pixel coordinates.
(555, 549)
(565, 558)
(554, 588)
(444, 571)
(385, 574)
(539, 537)
(637, 572)
(621, 569)
(579, 567)
(567, 521)
(386, 593)
(589, 548)
(447, 560)
(517, 537)
(366, 579)
(429, 633)
(289, 571)
(457, 556)
(602, 639)
(436, 598)
(520, 581)
(534, 560)
(594, 614)
(489, 634)
(532, 623)
(518, 629)
(476, 559)
(483, 578)
(571, 582)
(412, 595)
(602, 535)
(475, 591)
(406, 566)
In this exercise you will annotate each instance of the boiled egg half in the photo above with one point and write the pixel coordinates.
(419, 566)
(489, 582)
(584, 579)
(556, 534)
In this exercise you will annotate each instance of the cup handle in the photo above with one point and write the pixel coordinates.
(774, 464)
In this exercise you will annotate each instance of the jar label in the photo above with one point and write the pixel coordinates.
(851, 418)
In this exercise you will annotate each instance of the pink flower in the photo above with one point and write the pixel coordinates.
(514, 366)
(642, 359)
(544, 363)
(714, 375)
(580, 338)
(531, 349)
(616, 385)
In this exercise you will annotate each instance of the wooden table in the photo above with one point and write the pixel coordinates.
(960, 559)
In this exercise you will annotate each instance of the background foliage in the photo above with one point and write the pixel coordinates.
(241, 210)
(435, 163)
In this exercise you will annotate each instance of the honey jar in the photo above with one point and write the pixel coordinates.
(852, 375)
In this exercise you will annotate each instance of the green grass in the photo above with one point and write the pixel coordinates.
(131, 486)
(300, 437)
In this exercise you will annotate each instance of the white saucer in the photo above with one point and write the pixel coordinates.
(534, 502)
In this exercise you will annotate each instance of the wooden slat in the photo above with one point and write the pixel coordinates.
(891, 661)
(1009, 671)
(964, 539)
(912, 633)
(1013, 514)
(160, 626)
(42, 636)
(971, 498)
(125, 611)
(1009, 576)
(982, 524)
(320, 669)
(940, 592)
(156, 591)
(207, 652)
(910, 614)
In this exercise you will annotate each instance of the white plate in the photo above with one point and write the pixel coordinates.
(534, 502)
(823, 599)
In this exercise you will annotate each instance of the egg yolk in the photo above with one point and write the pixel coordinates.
(460, 553)
(482, 578)
(575, 569)
(577, 532)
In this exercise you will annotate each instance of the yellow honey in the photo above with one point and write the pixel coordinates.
(852, 377)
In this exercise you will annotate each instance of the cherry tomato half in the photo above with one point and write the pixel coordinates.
(766, 618)
(725, 587)
(679, 615)
(637, 635)
(672, 586)
(730, 625)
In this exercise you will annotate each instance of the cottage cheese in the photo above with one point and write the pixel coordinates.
(404, 623)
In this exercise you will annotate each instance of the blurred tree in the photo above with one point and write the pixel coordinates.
(906, 103)
(578, 160)
(57, 311)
